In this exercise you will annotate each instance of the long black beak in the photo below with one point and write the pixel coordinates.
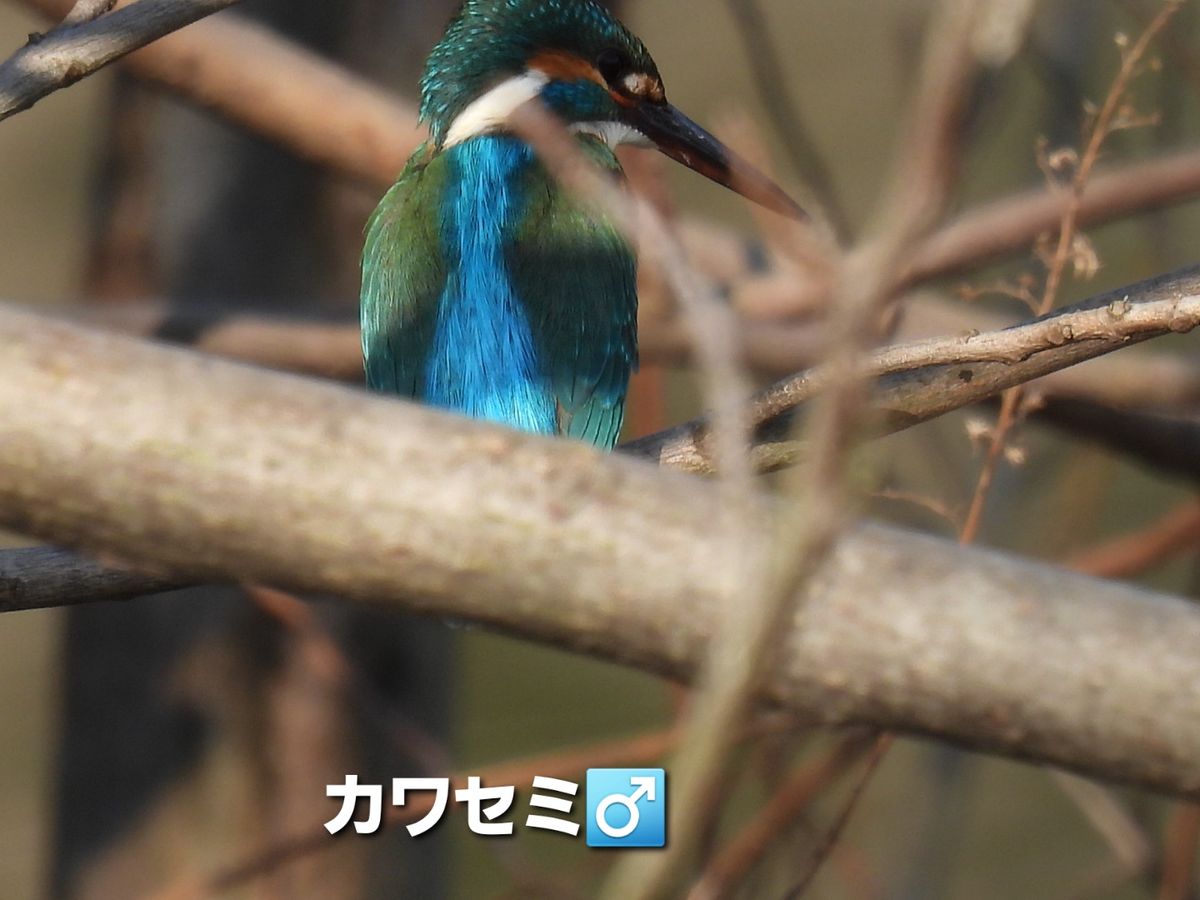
(677, 136)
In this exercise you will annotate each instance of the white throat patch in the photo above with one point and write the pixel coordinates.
(612, 133)
(493, 109)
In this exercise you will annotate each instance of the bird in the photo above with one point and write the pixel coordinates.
(487, 288)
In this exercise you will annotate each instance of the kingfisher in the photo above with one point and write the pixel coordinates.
(487, 288)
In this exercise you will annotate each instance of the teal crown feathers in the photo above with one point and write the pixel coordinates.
(489, 40)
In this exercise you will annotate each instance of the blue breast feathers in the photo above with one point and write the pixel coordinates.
(483, 360)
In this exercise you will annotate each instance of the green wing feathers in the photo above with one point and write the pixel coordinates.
(578, 278)
(404, 275)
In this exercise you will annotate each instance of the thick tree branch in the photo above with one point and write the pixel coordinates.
(64, 55)
(914, 383)
(210, 470)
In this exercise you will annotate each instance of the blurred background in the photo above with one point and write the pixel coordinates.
(155, 742)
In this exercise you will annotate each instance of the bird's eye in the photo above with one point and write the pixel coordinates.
(612, 64)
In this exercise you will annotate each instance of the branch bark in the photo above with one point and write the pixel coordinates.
(42, 577)
(1007, 227)
(920, 381)
(210, 470)
(87, 10)
(914, 383)
(64, 55)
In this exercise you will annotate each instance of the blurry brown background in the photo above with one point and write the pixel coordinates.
(936, 823)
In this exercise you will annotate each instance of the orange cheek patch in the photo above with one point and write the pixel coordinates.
(560, 66)
(622, 99)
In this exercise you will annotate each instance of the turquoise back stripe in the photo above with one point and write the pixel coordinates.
(483, 361)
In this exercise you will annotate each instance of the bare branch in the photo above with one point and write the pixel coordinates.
(727, 682)
(1109, 818)
(209, 470)
(87, 10)
(794, 797)
(1179, 862)
(1130, 555)
(925, 172)
(40, 578)
(917, 382)
(58, 59)
(1009, 226)
(306, 341)
(724, 695)
(1101, 129)
(883, 745)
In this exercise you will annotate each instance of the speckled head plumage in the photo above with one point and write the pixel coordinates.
(490, 40)
(588, 68)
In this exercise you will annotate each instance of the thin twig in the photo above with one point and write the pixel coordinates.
(711, 322)
(935, 507)
(1130, 555)
(718, 709)
(330, 663)
(1124, 835)
(736, 860)
(1179, 875)
(1129, 845)
(920, 188)
(715, 716)
(1102, 128)
(1183, 58)
(883, 744)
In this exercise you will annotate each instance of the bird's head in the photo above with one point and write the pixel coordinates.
(587, 67)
